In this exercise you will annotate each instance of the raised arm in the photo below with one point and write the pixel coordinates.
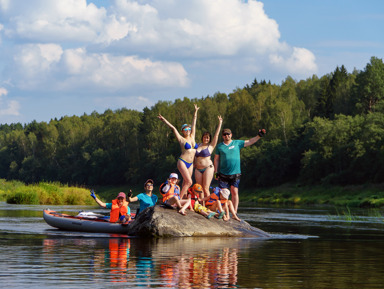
(100, 203)
(251, 141)
(175, 131)
(216, 136)
(193, 128)
(130, 198)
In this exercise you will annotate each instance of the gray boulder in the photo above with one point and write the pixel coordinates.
(165, 222)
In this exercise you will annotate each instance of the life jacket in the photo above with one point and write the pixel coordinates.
(174, 190)
(193, 196)
(215, 196)
(117, 211)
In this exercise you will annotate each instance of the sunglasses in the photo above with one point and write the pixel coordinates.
(149, 185)
(224, 134)
(187, 128)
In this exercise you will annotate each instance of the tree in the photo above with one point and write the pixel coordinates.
(369, 89)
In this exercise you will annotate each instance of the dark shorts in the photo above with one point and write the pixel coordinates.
(226, 181)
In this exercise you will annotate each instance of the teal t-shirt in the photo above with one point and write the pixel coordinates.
(230, 157)
(109, 206)
(146, 201)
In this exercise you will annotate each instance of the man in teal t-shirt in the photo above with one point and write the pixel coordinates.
(147, 199)
(227, 162)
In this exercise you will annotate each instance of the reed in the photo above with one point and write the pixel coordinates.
(43, 193)
(363, 196)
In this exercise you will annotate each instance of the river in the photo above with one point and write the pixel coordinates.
(309, 248)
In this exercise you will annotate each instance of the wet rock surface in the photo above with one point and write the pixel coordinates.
(165, 222)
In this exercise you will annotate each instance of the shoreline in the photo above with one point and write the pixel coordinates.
(291, 194)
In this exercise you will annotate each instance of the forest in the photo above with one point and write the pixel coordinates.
(327, 130)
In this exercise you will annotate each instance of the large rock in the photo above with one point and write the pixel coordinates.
(164, 222)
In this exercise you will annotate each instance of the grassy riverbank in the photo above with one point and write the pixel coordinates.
(290, 194)
(43, 193)
(47, 193)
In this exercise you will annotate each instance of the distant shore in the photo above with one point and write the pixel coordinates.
(369, 195)
(46, 193)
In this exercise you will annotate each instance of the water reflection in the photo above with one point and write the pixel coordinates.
(173, 263)
(308, 250)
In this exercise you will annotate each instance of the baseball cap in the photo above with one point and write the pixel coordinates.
(197, 188)
(227, 130)
(148, 181)
(121, 194)
(173, 175)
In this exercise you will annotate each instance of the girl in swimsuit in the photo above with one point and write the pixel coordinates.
(188, 149)
(204, 169)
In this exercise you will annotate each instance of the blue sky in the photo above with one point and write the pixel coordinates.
(70, 57)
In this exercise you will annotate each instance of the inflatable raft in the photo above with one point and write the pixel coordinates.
(83, 222)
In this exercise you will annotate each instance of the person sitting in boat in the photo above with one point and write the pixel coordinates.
(171, 194)
(147, 199)
(218, 201)
(195, 193)
(120, 211)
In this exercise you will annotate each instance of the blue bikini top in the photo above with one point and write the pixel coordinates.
(203, 153)
(187, 146)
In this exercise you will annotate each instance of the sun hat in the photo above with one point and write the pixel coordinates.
(121, 194)
(173, 175)
(197, 189)
(225, 193)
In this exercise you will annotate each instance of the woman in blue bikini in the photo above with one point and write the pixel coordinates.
(188, 148)
(204, 169)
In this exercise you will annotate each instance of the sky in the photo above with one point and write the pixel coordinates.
(69, 57)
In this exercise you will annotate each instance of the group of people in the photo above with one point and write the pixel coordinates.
(197, 158)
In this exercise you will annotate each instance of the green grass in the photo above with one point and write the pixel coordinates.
(43, 193)
(346, 214)
(46, 193)
(369, 196)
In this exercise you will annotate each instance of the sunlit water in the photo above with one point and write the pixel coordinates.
(309, 248)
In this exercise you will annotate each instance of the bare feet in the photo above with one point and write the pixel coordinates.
(182, 212)
(225, 218)
(237, 218)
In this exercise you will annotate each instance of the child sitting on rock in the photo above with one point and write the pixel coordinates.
(171, 194)
(194, 193)
(218, 201)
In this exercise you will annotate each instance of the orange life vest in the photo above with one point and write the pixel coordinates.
(215, 196)
(174, 190)
(117, 211)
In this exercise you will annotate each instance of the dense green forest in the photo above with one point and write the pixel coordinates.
(327, 130)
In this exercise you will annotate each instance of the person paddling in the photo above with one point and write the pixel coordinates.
(120, 211)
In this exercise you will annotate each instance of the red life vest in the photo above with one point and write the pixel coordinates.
(117, 211)
(193, 196)
(174, 190)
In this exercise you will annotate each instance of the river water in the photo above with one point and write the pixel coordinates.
(308, 248)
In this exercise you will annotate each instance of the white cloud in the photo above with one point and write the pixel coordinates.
(52, 20)
(131, 102)
(130, 46)
(194, 29)
(8, 107)
(36, 65)
(300, 61)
